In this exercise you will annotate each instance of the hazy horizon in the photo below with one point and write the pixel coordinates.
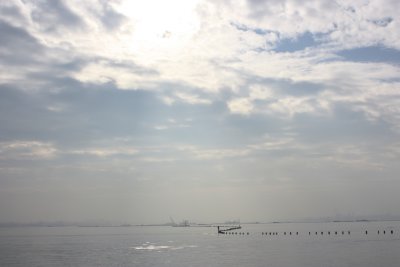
(138, 111)
(99, 223)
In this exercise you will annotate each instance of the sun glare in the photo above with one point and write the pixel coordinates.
(160, 29)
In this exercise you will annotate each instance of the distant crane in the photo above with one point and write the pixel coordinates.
(184, 223)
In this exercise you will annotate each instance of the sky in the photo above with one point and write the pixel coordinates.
(205, 110)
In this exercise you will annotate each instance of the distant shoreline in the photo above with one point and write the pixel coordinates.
(58, 224)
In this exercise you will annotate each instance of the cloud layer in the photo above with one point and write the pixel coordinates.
(142, 108)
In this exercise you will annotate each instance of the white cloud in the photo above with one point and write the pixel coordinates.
(220, 45)
(270, 144)
(106, 152)
(200, 153)
(260, 92)
(191, 98)
(192, 65)
(30, 150)
(240, 106)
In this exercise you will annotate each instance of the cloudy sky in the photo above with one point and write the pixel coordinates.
(135, 111)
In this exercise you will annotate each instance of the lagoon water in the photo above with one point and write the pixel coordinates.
(202, 246)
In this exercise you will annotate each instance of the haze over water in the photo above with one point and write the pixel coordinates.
(202, 246)
(133, 112)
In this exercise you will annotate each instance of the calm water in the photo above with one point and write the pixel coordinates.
(195, 246)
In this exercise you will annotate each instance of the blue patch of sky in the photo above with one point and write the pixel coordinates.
(371, 54)
(245, 28)
(287, 87)
(391, 80)
(296, 44)
(240, 27)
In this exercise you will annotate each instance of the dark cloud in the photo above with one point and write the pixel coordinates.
(8, 10)
(259, 8)
(109, 17)
(382, 22)
(17, 45)
(347, 126)
(76, 113)
(47, 64)
(286, 87)
(53, 15)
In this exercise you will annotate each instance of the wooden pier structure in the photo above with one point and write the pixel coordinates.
(224, 229)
